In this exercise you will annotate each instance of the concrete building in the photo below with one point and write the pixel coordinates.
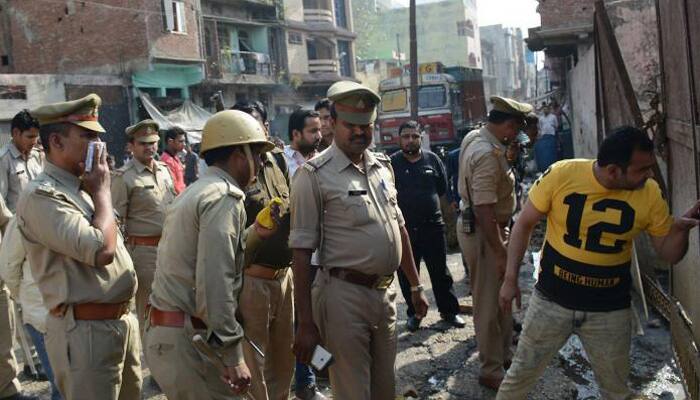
(507, 63)
(447, 33)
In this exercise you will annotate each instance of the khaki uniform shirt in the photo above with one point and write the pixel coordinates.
(15, 172)
(350, 214)
(273, 252)
(484, 174)
(200, 258)
(54, 217)
(141, 195)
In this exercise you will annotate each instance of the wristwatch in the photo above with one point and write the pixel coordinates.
(417, 288)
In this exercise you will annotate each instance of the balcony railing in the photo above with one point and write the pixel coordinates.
(246, 62)
(318, 16)
(323, 66)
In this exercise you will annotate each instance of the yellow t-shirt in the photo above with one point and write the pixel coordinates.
(590, 230)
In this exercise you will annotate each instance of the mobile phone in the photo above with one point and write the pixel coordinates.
(92, 148)
(321, 358)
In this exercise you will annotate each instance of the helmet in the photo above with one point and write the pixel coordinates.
(232, 128)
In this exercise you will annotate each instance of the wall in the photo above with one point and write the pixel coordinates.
(565, 13)
(294, 10)
(41, 89)
(583, 106)
(172, 45)
(91, 38)
(297, 57)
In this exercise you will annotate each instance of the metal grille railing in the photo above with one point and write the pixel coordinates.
(685, 348)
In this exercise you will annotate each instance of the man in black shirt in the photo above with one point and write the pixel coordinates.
(420, 181)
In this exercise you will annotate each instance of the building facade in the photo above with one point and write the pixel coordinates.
(507, 64)
(447, 32)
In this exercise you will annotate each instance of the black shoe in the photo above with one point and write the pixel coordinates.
(413, 324)
(454, 320)
(310, 392)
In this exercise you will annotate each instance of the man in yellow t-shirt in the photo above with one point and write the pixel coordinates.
(594, 209)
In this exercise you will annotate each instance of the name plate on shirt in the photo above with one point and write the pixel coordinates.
(357, 192)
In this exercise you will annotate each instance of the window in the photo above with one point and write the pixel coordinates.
(340, 19)
(295, 38)
(173, 92)
(394, 100)
(344, 58)
(431, 97)
(13, 92)
(465, 28)
(174, 16)
(4, 60)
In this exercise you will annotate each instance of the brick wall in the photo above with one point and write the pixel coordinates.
(97, 37)
(565, 13)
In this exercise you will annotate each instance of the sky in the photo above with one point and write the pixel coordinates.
(511, 13)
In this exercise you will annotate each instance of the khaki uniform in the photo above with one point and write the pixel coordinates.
(9, 384)
(200, 273)
(352, 216)
(15, 172)
(141, 195)
(485, 178)
(267, 303)
(91, 359)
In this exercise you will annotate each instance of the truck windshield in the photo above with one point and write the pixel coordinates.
(431, 97)
(394, 100)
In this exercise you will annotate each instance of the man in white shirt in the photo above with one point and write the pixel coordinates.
(548, 122)
(304, 138)
(546, 147)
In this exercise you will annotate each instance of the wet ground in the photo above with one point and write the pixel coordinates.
(439, 362)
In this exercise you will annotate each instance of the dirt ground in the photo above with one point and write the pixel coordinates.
(442, 363)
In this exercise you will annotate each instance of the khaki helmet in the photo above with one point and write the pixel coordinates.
(233, 128)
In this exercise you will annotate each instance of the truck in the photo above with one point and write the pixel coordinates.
(450, 102)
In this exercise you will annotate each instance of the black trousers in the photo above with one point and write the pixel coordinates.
(428, 243)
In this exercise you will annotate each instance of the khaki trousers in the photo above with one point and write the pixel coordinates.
(494, 329)
(144, 258)
(267, 312)
(358, 327)
(9, 384)
(605, 336)
(95, 359)
(179, 369)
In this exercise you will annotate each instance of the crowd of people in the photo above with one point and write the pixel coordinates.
(238, 265)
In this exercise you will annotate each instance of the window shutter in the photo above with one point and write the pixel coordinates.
(169, 17)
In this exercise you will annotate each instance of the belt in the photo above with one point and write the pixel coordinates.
(143, 240)
(263, 272)
(379, 282)
(93, 311)
(173, 319)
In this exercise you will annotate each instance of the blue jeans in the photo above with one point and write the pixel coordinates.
(38, 339)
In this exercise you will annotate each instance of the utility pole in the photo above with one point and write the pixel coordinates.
(398, 50)
(414, 59)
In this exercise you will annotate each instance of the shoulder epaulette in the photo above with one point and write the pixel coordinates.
(318, 161)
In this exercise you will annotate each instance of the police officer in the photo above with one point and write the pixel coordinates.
(20, 160)
(9, 384)
(267, 298)
(486, 188)
(79, 260)
(344, 203)
(199, 270)
(141, 190)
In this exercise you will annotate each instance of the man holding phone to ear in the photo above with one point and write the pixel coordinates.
(78, 258)
(594, 210)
